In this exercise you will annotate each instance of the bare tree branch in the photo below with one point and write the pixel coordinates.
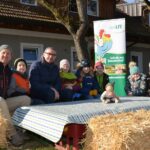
(78, 32)
(58, 15)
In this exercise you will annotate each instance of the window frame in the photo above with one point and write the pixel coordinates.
(70, 9)
(97, 8)
(27, 3)
(139, 56)
(74, 59)
(24, 46)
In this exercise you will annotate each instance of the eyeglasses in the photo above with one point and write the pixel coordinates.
(52, 54)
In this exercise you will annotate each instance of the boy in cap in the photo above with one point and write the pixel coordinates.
(19, 84)
(9, 105)
(136, 83)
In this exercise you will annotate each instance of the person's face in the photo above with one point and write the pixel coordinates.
(86, 69)
(135, 76)
(49, 55)
(109, 88)
(65, 68)
(5, 56)
(21, 67)
(100, 70)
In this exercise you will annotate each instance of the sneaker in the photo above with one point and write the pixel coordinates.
(23, 133)
(25, 136)
(17, 140)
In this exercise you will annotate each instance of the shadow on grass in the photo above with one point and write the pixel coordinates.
(36, 142)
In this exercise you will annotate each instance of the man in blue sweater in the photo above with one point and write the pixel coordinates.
(44, 78)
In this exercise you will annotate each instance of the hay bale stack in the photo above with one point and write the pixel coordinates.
(124, 131)
(3, 127)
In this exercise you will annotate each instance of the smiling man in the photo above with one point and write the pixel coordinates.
(44, 78)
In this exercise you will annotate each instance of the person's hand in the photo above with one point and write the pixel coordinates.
(56, 93)
(69, 86)
(130, 94)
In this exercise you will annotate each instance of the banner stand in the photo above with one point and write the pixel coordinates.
(110, 49)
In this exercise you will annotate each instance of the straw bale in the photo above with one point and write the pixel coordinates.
(3, 127)
(124, 131)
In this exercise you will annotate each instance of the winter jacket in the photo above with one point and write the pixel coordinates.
(43, 76)
(70, 86)
(148, 84)
(88, 83)
(70, 78)
(19, 85)
(105, 80)
(5, 76)
(138, 87)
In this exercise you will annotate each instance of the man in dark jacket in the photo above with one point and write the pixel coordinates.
(8, 105)
(44, 78)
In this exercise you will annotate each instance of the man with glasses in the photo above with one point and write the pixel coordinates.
(44, 78)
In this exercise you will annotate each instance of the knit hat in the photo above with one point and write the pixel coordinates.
(62, 62)
(134, 70)
(19, 60)
(4, 46)
(85, 63)
(98, 65)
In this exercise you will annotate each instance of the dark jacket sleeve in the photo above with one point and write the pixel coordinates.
(57, 82)
(127, 87)
(34, 76)
(40, 88)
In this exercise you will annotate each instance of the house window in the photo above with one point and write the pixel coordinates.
(29, 2)
(74, 59)
(31, 52)
(93, 7)
(72, 6)
(138, 58)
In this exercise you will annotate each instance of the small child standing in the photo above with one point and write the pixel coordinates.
(108, 96)
(19, 84)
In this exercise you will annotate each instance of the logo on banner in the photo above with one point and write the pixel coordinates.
(103, 42)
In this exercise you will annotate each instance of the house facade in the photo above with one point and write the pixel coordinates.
(29, 28)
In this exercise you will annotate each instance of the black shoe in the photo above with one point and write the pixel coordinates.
(17, 140)
(23, 134)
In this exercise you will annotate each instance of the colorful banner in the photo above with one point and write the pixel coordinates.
(110, 48)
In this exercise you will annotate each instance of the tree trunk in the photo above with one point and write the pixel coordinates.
(81, 48)
(80, 33)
